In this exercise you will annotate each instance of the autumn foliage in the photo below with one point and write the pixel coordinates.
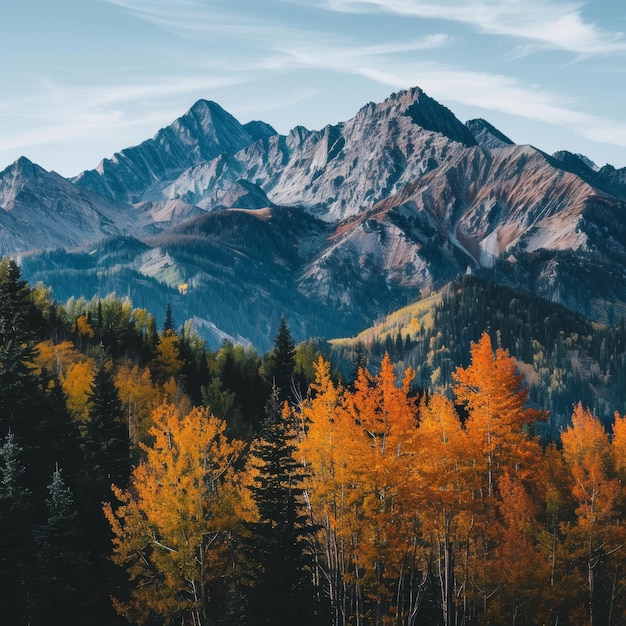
(177, 507)
(361, 502)
(421, 504)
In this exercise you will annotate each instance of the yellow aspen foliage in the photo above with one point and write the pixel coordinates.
(178, 507)
(139, 396)
(77, 387)
(83, 328)
(172, 392)
(54, 357)
(75, 371)
(167, 362)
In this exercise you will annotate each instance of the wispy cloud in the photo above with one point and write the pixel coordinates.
(191, 19)
(81, 112)
(545, 22)
(483, 90)
(538, 22)
(348, 58)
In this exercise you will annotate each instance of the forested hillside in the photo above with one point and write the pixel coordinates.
(147, 479)
(565, 358)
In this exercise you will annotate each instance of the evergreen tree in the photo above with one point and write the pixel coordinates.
(359, 360)
(32, 405)
(17, 338)
(152, 336)
(194, 370)
(108, 445)
(107, 448)
(15, 543)
(62, 585)
(52, 437)
(283, 538)
(168, 325)
(280, 362)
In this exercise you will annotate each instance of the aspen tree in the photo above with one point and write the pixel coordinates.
(178, 507)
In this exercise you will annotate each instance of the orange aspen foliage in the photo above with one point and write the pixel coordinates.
(330, 449)
(443, 478)
(519, 560)
(359, 447)
(178, 505)
(618, 444)
(492, 390)
(596, 537)
(387, 417)
(589, 456)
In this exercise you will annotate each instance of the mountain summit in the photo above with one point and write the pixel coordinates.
(201, 134)
(40, 209)
(331, 227)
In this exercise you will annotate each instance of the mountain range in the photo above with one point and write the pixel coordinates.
(235, 225)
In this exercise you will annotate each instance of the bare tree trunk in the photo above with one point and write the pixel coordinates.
(449, 607)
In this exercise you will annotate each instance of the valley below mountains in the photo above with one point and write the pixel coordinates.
(235, 225)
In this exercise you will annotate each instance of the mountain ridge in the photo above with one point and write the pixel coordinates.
(399, 200)
(204, 132)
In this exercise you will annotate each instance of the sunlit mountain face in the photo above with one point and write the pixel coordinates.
(332, 228)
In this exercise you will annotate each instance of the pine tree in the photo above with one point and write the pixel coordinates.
(107, 456)
(168, 325)
(17, 338)
(15, 541)
(283, 537)
(108, 446)
(62, 585)
(359, 361)
(52, 437)
(280, 362)
(107, 452)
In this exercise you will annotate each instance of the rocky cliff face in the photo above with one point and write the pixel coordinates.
(332, 227)
(40, 209)
(203, 133)
(340, 170)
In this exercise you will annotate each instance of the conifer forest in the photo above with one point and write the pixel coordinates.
(146, 479)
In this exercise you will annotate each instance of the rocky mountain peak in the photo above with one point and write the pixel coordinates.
(208, 128)
(487, 135)
(24, 174)
(259, 130)
(430, 115)
(421, 110)
(204, 132)
(22, 167)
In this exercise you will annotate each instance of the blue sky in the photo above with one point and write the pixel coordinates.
(84, 78)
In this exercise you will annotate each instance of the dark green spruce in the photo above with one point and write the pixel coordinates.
(282, 547)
